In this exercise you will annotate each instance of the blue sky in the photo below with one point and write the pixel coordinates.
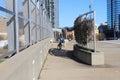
(69, 10)
(2, 3)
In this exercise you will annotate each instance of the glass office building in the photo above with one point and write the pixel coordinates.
(53, 11)
(113, 14)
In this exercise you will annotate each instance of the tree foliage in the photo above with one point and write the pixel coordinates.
(83, 30)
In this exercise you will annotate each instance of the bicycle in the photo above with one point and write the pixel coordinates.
(59, 46)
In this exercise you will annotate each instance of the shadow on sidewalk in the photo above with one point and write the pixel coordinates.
(63, 53)
(69, 54)
(60, 53)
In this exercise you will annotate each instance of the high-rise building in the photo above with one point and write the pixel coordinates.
(52, 7)
(113, 14)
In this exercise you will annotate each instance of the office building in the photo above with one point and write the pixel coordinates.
(113, 14)
(52, 7)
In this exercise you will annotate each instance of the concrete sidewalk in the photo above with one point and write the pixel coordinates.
(60, 65)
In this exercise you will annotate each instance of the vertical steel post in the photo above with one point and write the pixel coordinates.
(17, 27)
(115, 19)
(30, 22)
(36, 24)
(40, 10)
(94, 14)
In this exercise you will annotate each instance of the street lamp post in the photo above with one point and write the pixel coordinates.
(90, 5)
(94, 14)
(114, 20)
(114, 31)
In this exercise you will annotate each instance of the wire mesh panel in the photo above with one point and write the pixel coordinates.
(3, 36)
(7, 21)
(25, 22)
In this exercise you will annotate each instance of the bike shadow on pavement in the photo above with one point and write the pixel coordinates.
(63, 53)
(70, 54)
(60, 52)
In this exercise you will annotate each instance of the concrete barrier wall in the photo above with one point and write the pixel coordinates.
(88, 56)
(27, 64)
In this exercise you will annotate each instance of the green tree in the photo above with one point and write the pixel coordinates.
(83, 29)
